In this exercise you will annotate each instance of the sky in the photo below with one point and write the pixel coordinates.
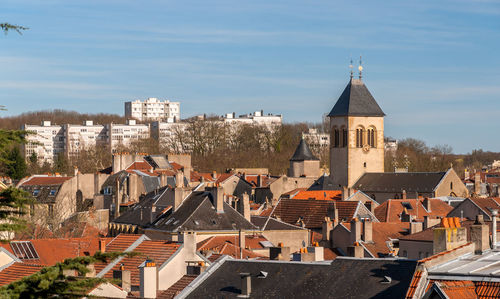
(433, 66)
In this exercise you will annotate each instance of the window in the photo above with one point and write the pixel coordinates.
(407, 205)
(405, 253)
(371, 135)
(359, 137)
(24, 250)
(336, 142)
(451, 185)
(344, 137)
(364, 165)
(53, 192)
(36, 192)
(51, 211)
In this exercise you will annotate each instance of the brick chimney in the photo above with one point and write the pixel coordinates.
(179, 179)
(356, 251)
(246, 285)
(416, 227)
(241, 236)
(245, 206)
(477, 183)
(355, 231)
(326, 229)
(125, 278)
(427, 204)
(480, 235)
(367, 230)
(102, 245)
(450, 236)
(148, 279)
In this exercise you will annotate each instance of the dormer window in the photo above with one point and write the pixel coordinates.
(53, 192)
(407, 205)
(36, 192)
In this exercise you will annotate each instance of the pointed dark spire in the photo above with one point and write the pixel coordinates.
(356, 100)
(303, 152)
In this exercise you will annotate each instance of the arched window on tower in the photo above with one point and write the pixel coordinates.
(371, 136)
(359, 137)
(344, 137)
(336, 136)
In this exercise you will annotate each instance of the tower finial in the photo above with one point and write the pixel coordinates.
(360, 68)
(350, 67)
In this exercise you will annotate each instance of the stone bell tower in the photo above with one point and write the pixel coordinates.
(357, 134)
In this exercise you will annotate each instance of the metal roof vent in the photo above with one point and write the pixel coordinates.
(262, 274)
(387, 279)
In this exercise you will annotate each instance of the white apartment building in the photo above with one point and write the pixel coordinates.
(81, 137)
(256, 118)
(46, 141)
(153, 109)
(125, 134)
(317, 139)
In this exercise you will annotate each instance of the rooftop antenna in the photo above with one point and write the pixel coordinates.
(350, 67)
(360, 68)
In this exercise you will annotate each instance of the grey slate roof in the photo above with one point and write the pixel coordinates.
(324, 182)
(272, 224)
(422, 182)
(356, 100)
(303, 152)
(197, 213)
(141, 213)
(342, 278)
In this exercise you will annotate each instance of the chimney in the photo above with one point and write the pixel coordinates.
(279, 253)
(102, 245)
(125, 278)
(346, 192)
(356, 251)
(241, 236)
(450, 236)
(163, 179)
(494, 214)
(75, 170)
(430, 222)
(246, 285)
(317, 252)
(403, 194)
(189, 242)
(416, 227)
(326, 229)
(480, 235)
(179, 179)
(367, 230)
(214, 175)
(477, 183)
(259, 180)
(148, 279)
(427, 204)
(245, 208)
(355, 230)
(333, 213)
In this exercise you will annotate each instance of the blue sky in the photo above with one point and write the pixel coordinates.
(433, 66)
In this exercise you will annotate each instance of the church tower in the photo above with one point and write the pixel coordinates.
(357, 134)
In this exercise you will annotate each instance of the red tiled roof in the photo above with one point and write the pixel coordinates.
(458, 289)
(234, 251)
(224, 176)
(176, 166)
(52, 251)
(487, 289)
(312, 212)
(121, 242)
(443, 253)
(17, 271)
(216, 242)
(391, 210)
(176, 288)
(142, 165)
(45, 180)
(196, 176)
(158, 251)
(414, 284)
(382, 232)
(329, 254)
(213, 257)
(252, 179)
(319, 195)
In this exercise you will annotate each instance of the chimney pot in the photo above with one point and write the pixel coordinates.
(148, 279)
(102, 245)
(246, 284)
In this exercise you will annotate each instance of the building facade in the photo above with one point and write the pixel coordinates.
(46, 141)
(153, 109)
(82, 137)
(255, 118)
(126, 134)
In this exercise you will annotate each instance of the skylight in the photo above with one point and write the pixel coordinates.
(24, 250)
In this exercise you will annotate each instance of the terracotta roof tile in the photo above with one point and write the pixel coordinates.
(142, 165)
(458, 289)
(45, 180)
(121, 242)
(52, 251)
(319, 195)
(443, 253)
(487, 290)
(414, 284)
(312, 212)
(251, 242)
(17, 271)
(234, 251)
(197, 176)
(158, 251)
(224, 176)
(391, 210)
(176, 288)
(487, 203)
